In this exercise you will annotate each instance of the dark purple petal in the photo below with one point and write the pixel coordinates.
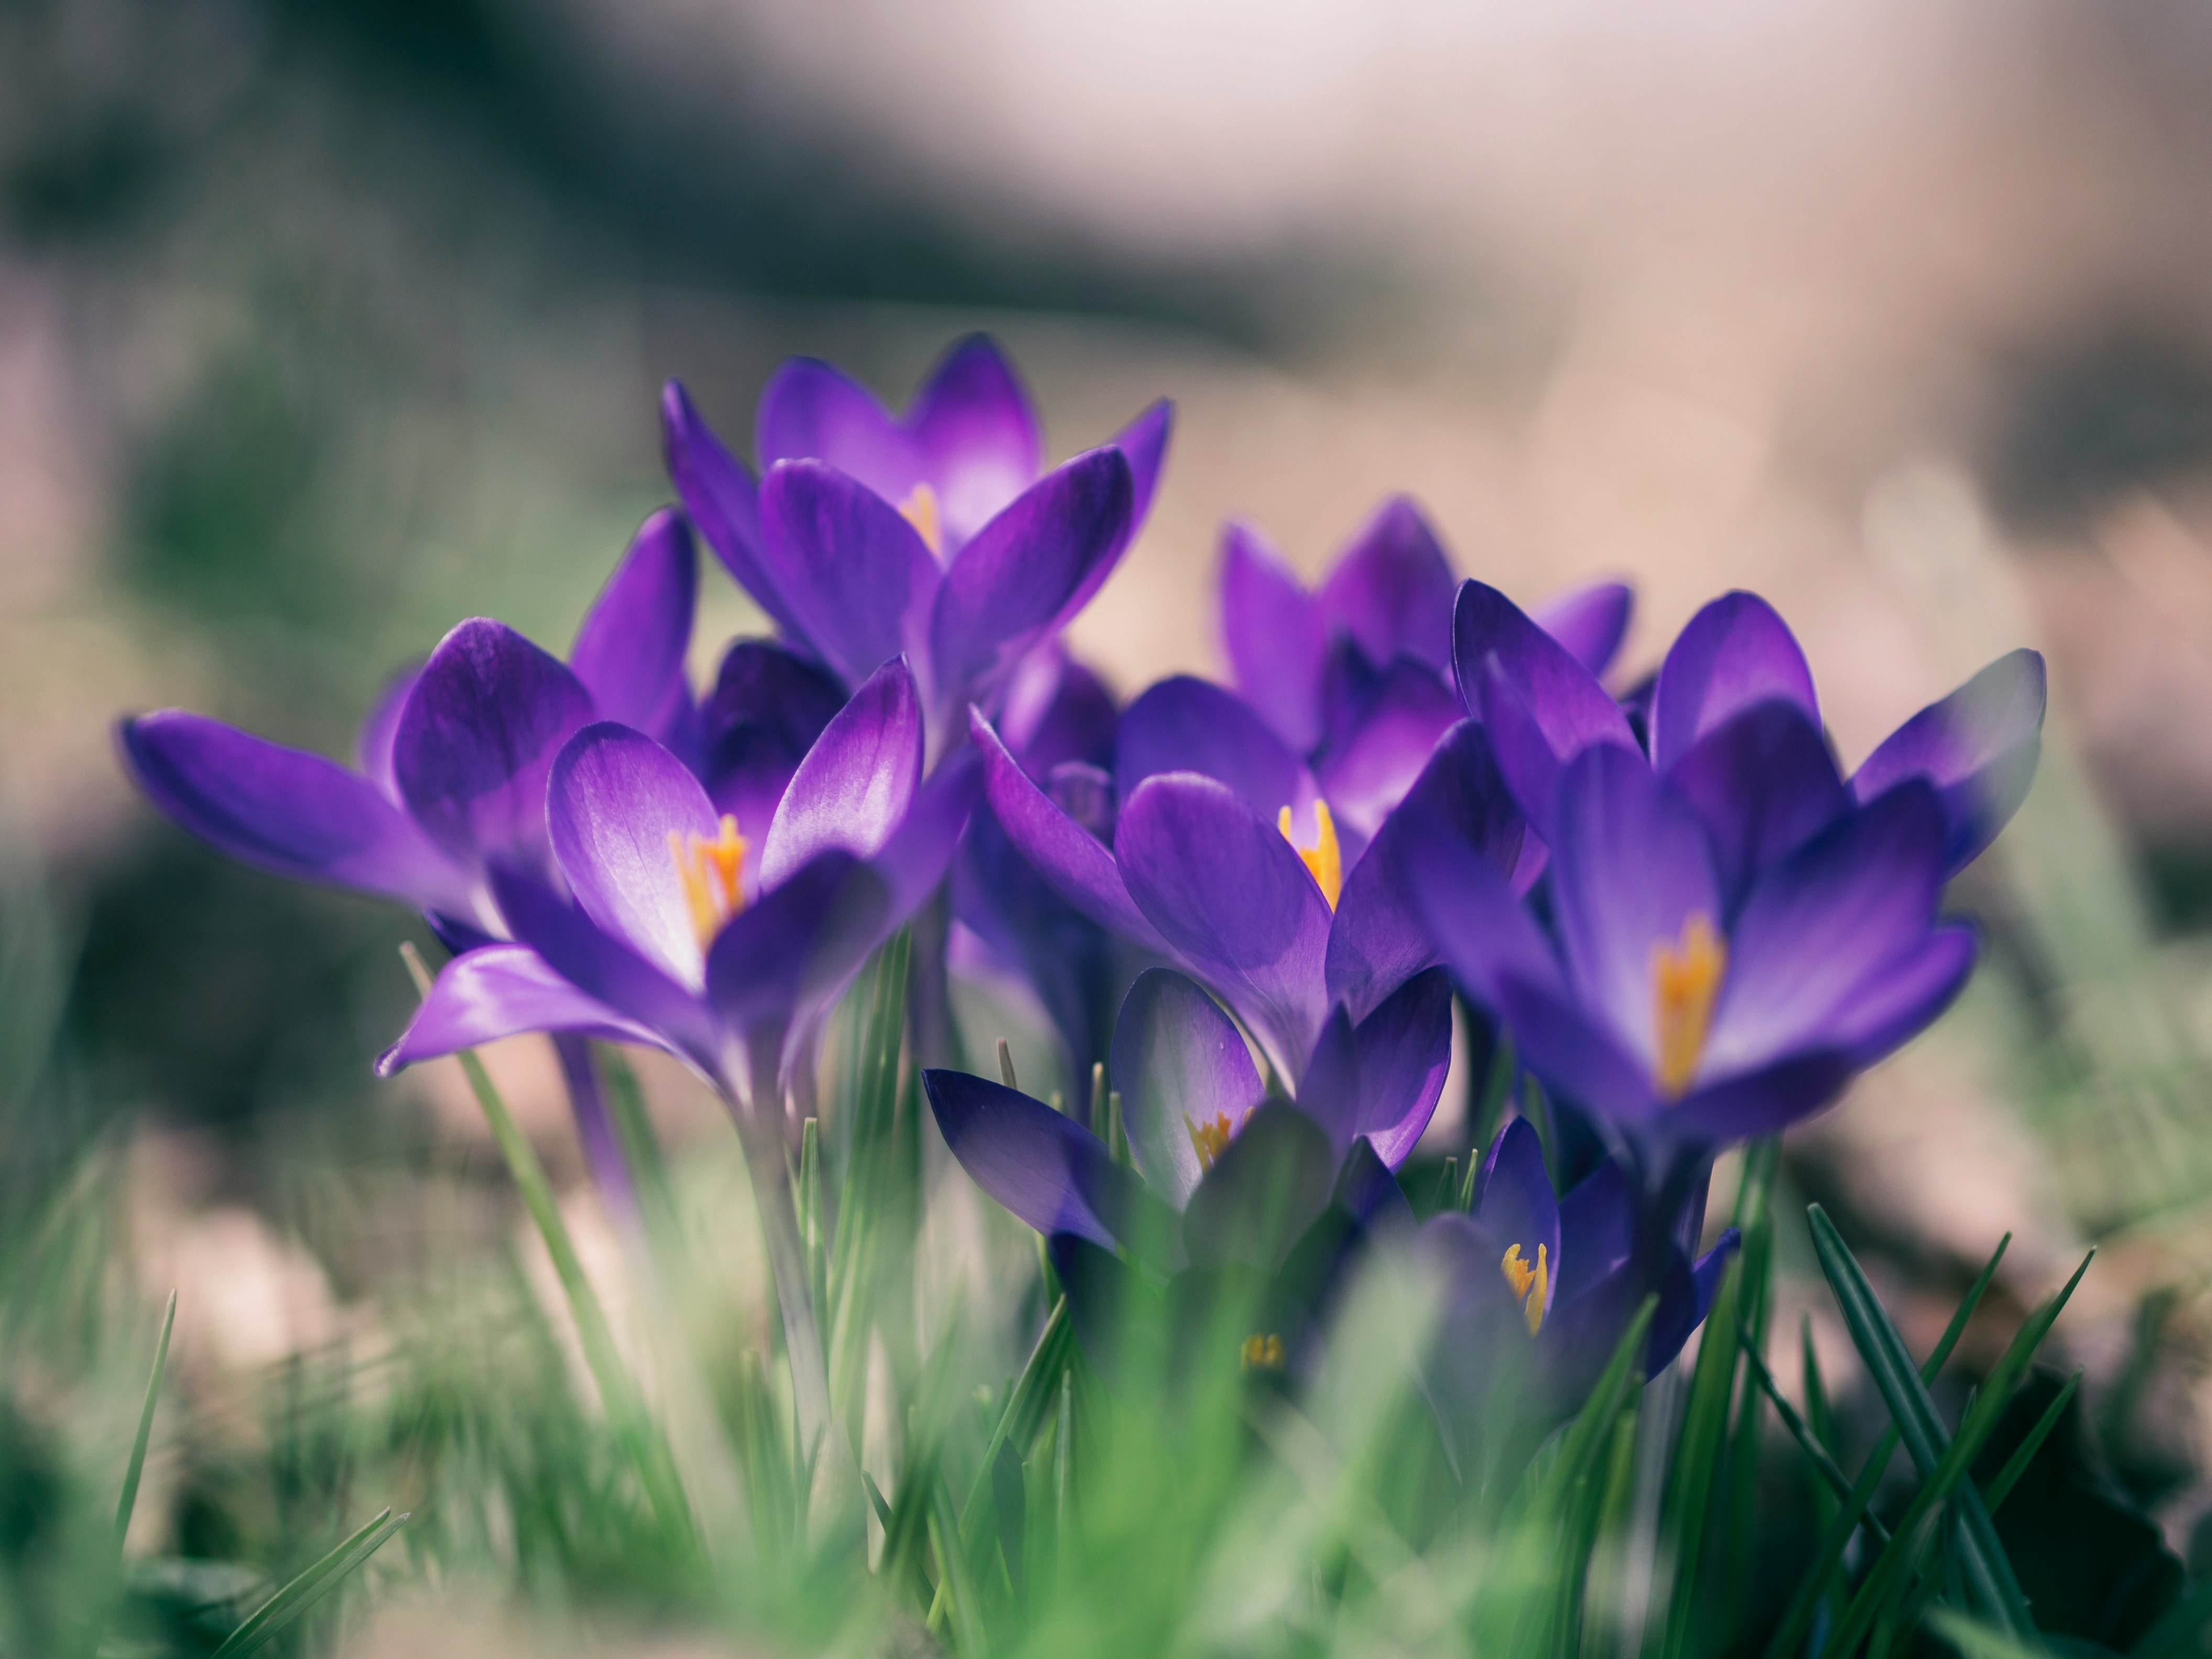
(1180, 1065)
(1630, 867)
(1819, 929)
(795, 946)
(722, 502)
(1229, 897)
(855, 574)
(1086, 794)
(1366, 771)
(1380, 937)
(1685, 1295)
(1735, 653)
(1016, 581)
(976, 435)
(1763, 783)
(1391, 590)
(1261, 1193)
(1275, 637)
(1597, 1229)
(1048, 1170)
(1078, 868)
(1978, 746)
(615, 799)
(1328, 1086)
(477, 737)
(1904, 998)
(1404, 1051)
(767, 707)
(1145, 441)
(373, 746)
(630, 651)
(1761, 1102)
(854, 787)
(811, 411)
(1589, 622)
(1189, 724)
(286, 811)
(1481, 929)
(1368, 1192)
(1055, 709)
(1514, 1205)
(503, 991)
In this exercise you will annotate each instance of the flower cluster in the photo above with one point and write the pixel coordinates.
(1247, 907)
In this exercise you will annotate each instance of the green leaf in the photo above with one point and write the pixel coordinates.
(1824, 1465)
(137, 1466)
(281, 1611)
(2024, 1454)
(1697, 1457)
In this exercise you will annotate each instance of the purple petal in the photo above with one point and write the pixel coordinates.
(1473, 920)
(1367, 771)
(1086, 794)
(615, 799)
(795, 946)
(1822, 926)
(856, 573)
(1978, 746)
(1404, 1050)
(1762, 1102)
(1735, 653)
(1763, 783)
(915, 857)
(1392, 589)
(1188, 725)
(1225, 890)
(1053, 709)
(1597, 1229)
(1578, 1058)
(1907, 995)
(722, 502)
(854, 787)
(767, 707)
(1589, 622)
(1145, 441)
(1275, 637)
(811, 411)
(1262, 1192)
(503, 991)
(976, 435)
(1078, 868)
(630, 651)
(477, 737)
(1016, 581)
(1368, 1192)
(1380, 936)
(1516, 1206)
(379, 726)
(1179, 1063)
(1328, 1088)
(286, 811)
(1630, 865)
(1050, 1171)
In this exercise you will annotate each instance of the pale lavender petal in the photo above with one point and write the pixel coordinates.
(1179, 1064)
(379, 726)
(1366, 772)
(1404, 1051)
(286, 811)
(1274, 637)
(854, 787)
(1515, 1206)
(1228, 894)
(1735, 653)
(1763, 783)
(854, 572)
(722, 502)
(1978, 746)
(503, 991)
(1048, 1170)
(976, 435)
(630, 651)
(1392, 589)
(811, 412)
(615, 799)
(1590, 622)
(477, 737)
(1189, 724)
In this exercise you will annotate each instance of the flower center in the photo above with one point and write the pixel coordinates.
(1208, 1139)
(1262, 1353)
(1324, 859)
(920, 510)
(1529, 1285)
(710, 870)
(1685, 983)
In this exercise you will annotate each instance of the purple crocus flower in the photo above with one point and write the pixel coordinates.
(930, 534)
(1356, 676)
(453, 766)
(1211, 847)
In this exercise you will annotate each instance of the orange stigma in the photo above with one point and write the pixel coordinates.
(1529, 1285)
(1208, 1139)
(920, 510)
(711, 872)
(1324, 859)
(1685, 984)
(1262, 1353)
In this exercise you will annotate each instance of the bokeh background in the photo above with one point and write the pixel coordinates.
(324, 324)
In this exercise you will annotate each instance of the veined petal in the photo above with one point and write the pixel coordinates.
(1404, 1054)
(856, 573)
(1184, 724)
(854, 787)
(1735, 653)
(502, 991)
(477, 737)
(630, 651)
(1274, 636)
(1978, 747)
(976, 434)
(810, 410)
(1392, 589)
(1182, 1071)
(1589, 622)
(1048, 1170)
(722, 502)
(286, 811)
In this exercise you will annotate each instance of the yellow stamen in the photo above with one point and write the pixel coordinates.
(1208, 1139)
(1324, 859)
(711, 872)
(1529, 1285)
(920, 510)
(1685, 983)
(1262, 1353)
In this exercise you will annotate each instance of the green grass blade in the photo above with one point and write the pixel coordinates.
(1028, 1403)
(1697, 1457)
(1816, 1454)
(2024, 1454)
(276, 1616)
(137, 1466)
(1975, 1640)
(1592, 1429)
(2175, 1635)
